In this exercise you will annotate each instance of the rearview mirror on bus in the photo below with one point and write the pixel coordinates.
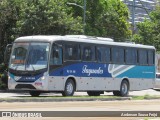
(7, 53)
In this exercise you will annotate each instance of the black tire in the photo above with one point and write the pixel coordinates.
(69, 88)
(93, 93)
(35, 93)
(124, 89)
(116, 93)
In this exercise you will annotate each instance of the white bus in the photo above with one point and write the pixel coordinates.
(80, 63)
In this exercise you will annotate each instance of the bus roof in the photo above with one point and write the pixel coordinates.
(79, 38)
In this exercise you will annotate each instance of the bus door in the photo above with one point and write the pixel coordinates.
(56, 68)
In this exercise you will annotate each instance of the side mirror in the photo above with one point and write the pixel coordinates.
(7, 53)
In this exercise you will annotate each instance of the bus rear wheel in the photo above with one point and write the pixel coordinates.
(124, 89)
(69, 88)
(35, 93)
(93, 93)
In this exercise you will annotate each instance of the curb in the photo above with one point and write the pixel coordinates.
(12, 91)
(62, 99)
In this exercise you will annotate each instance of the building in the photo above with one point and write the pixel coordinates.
(139, 9)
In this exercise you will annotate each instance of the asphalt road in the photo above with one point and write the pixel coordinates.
(133, 105)
(127, 105)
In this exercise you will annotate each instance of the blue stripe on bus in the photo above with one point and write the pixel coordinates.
(101, 70)
(139, 72)
(83, 70)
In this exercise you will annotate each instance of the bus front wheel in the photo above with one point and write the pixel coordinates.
(35, 93)
(69, 88)
(124, 89)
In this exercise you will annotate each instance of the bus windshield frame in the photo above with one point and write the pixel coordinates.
(30, 56)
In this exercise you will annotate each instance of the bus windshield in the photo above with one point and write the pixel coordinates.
(29, 56)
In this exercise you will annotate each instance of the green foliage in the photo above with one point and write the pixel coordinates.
(149, 30)
(8, 18)
(47, 17)
(3, 77)
(106, 18)
(2, 68)
(145, 33)
(34, 17)
(2, 85)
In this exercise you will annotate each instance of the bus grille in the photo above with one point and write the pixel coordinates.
(24, 86)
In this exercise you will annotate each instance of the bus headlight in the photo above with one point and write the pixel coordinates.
(9, 78)
(43, 78)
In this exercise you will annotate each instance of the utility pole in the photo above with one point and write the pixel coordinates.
(84, 16)
(133, 16)
(84, 12)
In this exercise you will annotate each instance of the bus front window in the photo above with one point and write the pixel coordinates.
(37, 56)
(18, 56)
(29, 56)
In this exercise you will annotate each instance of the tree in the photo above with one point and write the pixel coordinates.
(107, 18)
(8, 18)
(34, 17)
(47, 17)
(149, 30)
(115, 20)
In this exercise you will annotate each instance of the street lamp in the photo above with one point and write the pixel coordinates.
(84, 13)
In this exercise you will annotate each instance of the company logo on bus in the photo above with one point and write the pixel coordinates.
(91, 71)
(29, 78)
(18, 78)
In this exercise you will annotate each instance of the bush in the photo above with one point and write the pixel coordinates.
(2, 84)
(3, 76)
(1, 68)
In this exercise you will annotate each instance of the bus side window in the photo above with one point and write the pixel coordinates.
(88, 53)
(103, 54)
(99, 55)
(118, 55)
(151, 57)
(131, 56)
(56, 56)
(142, 57)
(107, 55)
(72, 52)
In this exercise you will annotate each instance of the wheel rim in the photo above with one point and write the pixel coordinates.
(69, 88)
(124, 88)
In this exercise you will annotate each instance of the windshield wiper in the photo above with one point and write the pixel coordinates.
(33, 67)
(16, 67)
(28, 63)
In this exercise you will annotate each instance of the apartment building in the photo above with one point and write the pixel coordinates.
(139, 9)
